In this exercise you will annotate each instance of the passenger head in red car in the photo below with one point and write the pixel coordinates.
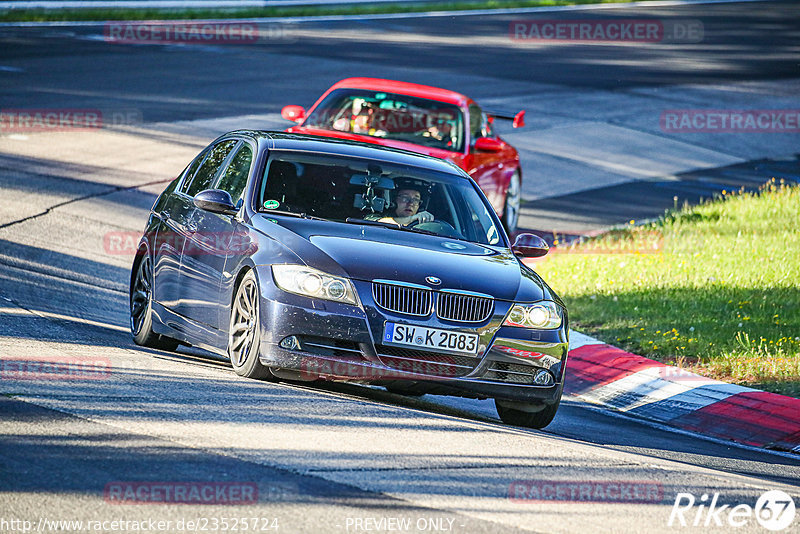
(360, 121)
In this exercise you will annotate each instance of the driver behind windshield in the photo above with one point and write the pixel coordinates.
(407, 199)
(441, 129)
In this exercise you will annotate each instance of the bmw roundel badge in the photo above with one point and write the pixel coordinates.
(433, 280)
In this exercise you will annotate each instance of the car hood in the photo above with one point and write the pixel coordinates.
(364, 252)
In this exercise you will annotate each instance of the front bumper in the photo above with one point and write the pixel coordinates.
(327, 340)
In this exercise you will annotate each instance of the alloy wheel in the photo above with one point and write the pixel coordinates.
(244, 322)
(141, 294)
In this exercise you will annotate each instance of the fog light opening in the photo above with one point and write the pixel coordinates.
(290, 343)
(543, 378)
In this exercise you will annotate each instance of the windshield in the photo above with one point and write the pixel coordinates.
(356, 190)
(391, 116)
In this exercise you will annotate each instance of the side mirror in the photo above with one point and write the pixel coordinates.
(215, 201)
(293, 113)
(530, 246)
(487, 144)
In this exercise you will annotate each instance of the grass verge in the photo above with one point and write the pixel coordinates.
(713, 288)
(44, 15)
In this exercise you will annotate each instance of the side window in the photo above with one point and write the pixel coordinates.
(208, 170)
(235, 176)
(187, 176)
(478, 124)
(475, 122)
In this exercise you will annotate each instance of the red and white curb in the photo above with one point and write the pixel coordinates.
(606, 375)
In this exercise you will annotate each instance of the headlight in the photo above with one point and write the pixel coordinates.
(544, 315)
(311, 282)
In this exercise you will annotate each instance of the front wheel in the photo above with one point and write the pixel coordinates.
(512, 203)
(141, 308)
(244, 332)
(527, 415)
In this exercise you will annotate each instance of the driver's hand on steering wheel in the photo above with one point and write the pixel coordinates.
(421, 217)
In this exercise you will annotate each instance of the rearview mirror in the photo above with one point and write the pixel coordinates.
(487, 144)
(293, 113)
(530, 246)
(381, 182)
(215, 201)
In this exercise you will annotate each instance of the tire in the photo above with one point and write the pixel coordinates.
(511, 204)
(244, 332)
(141, 308)
(529, 419)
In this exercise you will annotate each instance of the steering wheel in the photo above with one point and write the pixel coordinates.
(438, 227)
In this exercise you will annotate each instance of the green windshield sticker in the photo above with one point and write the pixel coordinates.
(271, 204)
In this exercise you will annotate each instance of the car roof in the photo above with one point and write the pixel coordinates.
(403, 88)
(344, 147)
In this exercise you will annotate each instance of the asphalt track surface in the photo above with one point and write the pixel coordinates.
(584, 100)
(321, 456)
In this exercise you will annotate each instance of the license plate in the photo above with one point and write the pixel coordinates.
(420, 337)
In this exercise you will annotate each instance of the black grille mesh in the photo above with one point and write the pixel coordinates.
(499, 371)
(426, 363)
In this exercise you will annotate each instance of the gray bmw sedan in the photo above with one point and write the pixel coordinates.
(309, 258)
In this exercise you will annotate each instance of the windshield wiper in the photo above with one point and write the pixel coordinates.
(393, 225)
(293, 214)
(354, 220)
(421, 231)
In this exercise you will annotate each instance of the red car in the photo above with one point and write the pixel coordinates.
(423, 119)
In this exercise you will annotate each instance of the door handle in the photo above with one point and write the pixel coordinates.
(192, 226)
